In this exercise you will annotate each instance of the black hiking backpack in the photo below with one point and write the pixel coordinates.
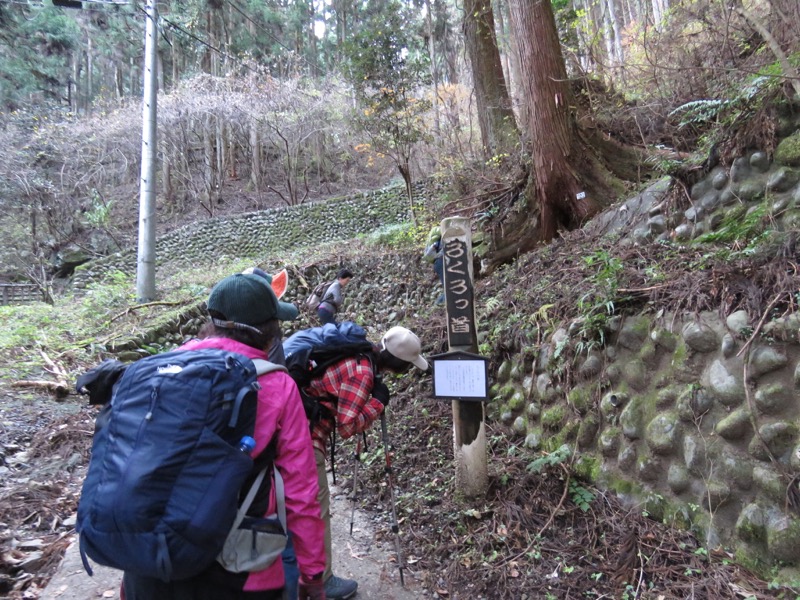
(168, 463)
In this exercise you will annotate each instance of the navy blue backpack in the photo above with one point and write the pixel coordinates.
(164, 480)
(310, 351)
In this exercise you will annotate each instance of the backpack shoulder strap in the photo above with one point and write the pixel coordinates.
(280, 496)
(264, 366)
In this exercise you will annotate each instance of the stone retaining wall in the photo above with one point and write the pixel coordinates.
(663, 417)
(686, 417)
(256, 234)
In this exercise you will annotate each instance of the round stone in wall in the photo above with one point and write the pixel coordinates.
(751, 526)
(700, 337)
(678, 478)
(726, 386)
(783, 538)
(662, 433)
(738, 321)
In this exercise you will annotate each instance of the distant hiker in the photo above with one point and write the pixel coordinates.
(351, 389)
(244, 318)
(332, 299)
(434, 254)
(276, 351)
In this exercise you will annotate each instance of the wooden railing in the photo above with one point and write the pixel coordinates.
(19, 293)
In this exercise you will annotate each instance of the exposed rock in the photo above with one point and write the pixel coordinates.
(770, 483)
(611, 404)
(715, 495)
(788, 151)
(759, 161)
(678, 478)
(664, 339)
(700, 188)
(726, 387)
(719, 178)
(709, 201)
(543, 383)
(635, 373)
(657, 224)
(683, 232)
(591, 366)
(782, 180)
(650, 468)
(533, 440)
(633, 333)
(587, 430)
(737, 470)
(740, 169)
(694, 454)
(783, 539)
(504, 371)
(728, 346)
(773, 398)
(520, 425)
(608, 441)
(631, 419)
(779, 437)
(700, 337)
(738, 321)
(662, 433)
(751, 526)
(735, 426)
(626, 459)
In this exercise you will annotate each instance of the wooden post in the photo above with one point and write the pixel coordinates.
(469, 431)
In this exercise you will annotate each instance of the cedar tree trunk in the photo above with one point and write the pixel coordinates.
(496, 119)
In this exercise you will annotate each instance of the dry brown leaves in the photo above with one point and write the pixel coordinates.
(487, 548)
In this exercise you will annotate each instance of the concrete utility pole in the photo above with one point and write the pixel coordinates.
(469, 431)
(146, 264)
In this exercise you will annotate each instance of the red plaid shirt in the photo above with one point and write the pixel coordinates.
(350, 381)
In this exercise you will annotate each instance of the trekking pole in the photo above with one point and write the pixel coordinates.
(357, 458)
(395, 525)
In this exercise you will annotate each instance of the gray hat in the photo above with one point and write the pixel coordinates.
(247, 300)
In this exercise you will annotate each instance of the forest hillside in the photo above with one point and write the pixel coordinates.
(628, 166)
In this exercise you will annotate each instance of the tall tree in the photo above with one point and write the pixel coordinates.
(496, 119)
(387, 66)
(567, 182)
(547, 118)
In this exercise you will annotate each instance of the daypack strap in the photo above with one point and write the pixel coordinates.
(251, 494)
(262, 367)
(84, 558)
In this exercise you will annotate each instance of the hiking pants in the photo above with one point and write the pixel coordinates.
(325, 316)
(324, 498)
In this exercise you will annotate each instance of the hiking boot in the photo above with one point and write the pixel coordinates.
(337, 588)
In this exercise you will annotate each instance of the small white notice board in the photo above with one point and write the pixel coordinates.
(460, 376)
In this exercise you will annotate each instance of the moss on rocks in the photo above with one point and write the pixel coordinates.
(788, 151)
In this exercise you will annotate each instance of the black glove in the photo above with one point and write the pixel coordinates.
(99, 382)
(381, 393)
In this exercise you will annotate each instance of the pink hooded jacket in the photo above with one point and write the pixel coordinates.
(281, 410)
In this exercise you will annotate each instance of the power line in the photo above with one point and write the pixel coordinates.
(266, 32)
(203, 42)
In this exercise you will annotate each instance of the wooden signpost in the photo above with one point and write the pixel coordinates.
(460, 375)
